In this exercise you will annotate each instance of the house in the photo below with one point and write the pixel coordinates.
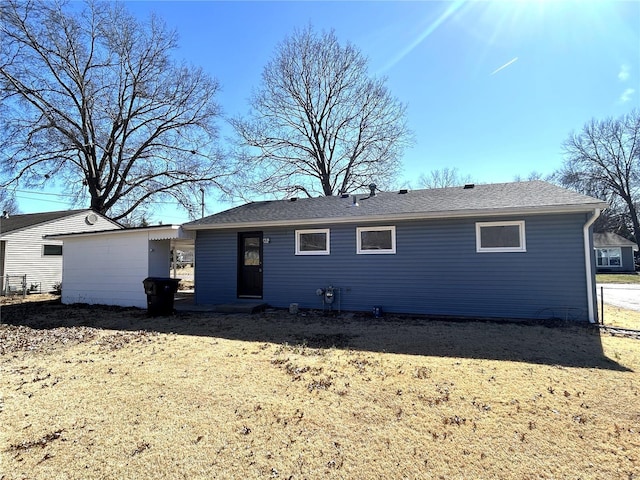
(25, 250)
(614, 253)
(108, 267)
(511, 250)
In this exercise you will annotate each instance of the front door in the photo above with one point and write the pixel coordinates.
(250, 265)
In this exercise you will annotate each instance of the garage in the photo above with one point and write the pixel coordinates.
(108, 267)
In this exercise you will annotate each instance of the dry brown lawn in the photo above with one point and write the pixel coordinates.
(107, 393)
(618, 277)
(621, 318)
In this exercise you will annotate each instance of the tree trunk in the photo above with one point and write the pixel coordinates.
(97, 204)
(634, 220)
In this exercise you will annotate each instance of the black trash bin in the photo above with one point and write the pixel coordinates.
(160, 291)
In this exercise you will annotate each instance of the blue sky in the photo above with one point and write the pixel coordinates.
(492, 87)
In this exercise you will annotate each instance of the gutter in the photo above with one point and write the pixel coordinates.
(121, 231)
(587, 264)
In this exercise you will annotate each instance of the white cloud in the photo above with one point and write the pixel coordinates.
(626, 95)
(625, 72)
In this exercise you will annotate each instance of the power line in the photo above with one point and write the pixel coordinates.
(22, 197)
(34, 192)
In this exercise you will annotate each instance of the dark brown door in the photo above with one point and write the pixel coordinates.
(250, 264)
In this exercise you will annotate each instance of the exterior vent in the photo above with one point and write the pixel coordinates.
(344, 195)
(403, 191)
(372, 189)
(293, 199)
(469, 186)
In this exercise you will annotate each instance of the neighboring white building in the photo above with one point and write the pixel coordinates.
(108, 267)
(24, 250)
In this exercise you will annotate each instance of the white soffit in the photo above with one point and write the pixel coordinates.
(170, 233)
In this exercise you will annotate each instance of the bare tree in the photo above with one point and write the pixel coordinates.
(603, 160)
(445, 177)
(320, 124)
(534, 175)
(8, 203)
(91, 100)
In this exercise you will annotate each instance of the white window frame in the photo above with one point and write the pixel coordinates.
(608, 265)
(522, 236)
(359, 249)
(327, 251)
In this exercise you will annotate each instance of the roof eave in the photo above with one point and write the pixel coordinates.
(44, 222)
(469, 213)
(156, 232)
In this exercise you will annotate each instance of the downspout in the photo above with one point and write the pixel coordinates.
(587, 264)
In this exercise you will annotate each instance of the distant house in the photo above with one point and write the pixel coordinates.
(24, 250)
(108, 267)
(512, 250)
(614, 253)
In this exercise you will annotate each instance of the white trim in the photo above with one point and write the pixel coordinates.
(493, 212)
(326, 251)
(521, 234)
(588, 263)
(359, 249)
(157, 232)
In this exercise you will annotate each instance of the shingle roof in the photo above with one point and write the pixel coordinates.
(612, 240)
(481, 200)
(17, 222)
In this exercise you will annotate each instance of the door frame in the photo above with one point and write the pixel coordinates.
(240, 264)
(3, 249)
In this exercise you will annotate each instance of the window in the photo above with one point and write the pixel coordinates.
(251, 251)
(376, 240)
(500, 237)
(52, 250)
(609, 257)
(312, 242)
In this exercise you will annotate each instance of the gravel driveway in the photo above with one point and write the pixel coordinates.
(623, 295)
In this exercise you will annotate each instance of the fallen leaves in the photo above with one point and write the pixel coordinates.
(142, 446)
(41, 442)
(21, 338)
(26, 339)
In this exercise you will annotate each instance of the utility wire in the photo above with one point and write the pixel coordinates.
(34, 192)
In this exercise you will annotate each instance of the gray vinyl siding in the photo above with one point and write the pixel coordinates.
(628, 263)
(435, 270)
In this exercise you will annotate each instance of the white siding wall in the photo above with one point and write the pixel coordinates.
(24, 248)
(106, 269)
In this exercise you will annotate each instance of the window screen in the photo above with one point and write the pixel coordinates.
(312, 242)
(500, 237)
(376, 240)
